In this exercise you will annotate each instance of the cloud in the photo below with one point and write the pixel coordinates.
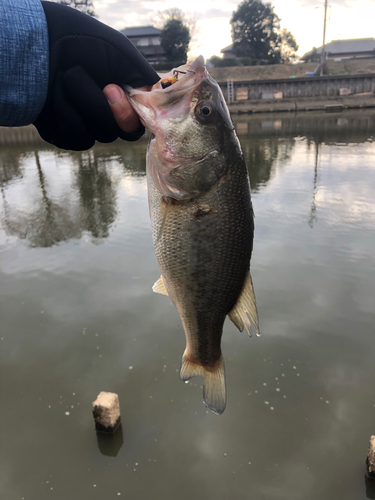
(301, 17)
(216, 13)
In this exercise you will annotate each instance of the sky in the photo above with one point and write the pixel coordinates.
(304, 18)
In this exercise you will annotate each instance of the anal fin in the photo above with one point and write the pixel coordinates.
(159, 286)
(214, 391)
(246, 308)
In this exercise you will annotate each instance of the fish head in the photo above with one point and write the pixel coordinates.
(190, 124)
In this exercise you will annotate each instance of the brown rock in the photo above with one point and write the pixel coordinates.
(106, 411)
(370, 462)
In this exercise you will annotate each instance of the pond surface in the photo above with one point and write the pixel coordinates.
(77, 316)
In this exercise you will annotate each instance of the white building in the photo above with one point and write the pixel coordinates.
(355, 48)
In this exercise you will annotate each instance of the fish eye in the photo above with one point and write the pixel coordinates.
(205, 112)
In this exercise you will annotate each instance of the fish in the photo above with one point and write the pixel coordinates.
(201, 216)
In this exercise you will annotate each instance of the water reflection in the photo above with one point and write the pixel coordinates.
(64, 194)
(10, 167)
(344, 128)
(71, 193)
(110, 444)
(370, 487)
(262, 156)
(97, 192)
(79, 317)
(268, 141)
(315, 187)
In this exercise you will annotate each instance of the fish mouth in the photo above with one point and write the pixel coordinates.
(188, 76)
(178, 171)
(149, 105)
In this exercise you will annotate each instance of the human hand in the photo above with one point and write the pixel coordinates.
(124, 114)
(87, 56)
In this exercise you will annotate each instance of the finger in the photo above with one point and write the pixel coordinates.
(125, 116)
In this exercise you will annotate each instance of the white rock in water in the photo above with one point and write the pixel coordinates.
(106, 411)
(370, 462)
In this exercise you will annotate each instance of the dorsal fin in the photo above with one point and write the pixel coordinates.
(246, 308)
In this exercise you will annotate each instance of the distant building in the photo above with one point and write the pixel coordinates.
(147, 41)
(228, 52)
(337, 50)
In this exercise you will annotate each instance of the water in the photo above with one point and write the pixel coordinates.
(78, 316)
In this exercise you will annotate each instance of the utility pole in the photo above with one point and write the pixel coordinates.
(323, 57)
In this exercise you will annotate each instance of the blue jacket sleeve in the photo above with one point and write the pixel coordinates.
(23, 61)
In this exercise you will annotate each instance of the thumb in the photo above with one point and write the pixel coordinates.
(125, 116)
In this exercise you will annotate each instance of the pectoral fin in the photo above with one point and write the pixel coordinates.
(246, 308)
(159, 286)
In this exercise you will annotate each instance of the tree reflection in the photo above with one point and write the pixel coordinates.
(268, 141)
(132, 156)
(97, 194)
(46, 224)
(49, 217)
(69, 194)
(58, 211)
(263, 155)
(10, 167)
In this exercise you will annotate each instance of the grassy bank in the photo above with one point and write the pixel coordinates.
(350, 67)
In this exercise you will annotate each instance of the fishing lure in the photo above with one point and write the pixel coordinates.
(167, 82)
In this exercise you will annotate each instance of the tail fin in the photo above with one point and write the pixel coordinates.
(214, 392)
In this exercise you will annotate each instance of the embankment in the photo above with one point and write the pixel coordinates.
(328, 93)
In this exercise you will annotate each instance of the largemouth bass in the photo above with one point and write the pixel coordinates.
(202, 217)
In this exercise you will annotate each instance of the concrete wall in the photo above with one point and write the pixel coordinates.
(19, 135)
(301, 87)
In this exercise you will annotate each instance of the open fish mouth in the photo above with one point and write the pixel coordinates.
(187, 76)
(150, 105)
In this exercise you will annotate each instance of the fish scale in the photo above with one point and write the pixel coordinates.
(208, 255)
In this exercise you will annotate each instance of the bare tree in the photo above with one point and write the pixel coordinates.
(85, 6)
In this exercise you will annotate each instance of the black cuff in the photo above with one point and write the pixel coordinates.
(132, 137)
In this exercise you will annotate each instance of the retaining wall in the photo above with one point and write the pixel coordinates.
(326, 86)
